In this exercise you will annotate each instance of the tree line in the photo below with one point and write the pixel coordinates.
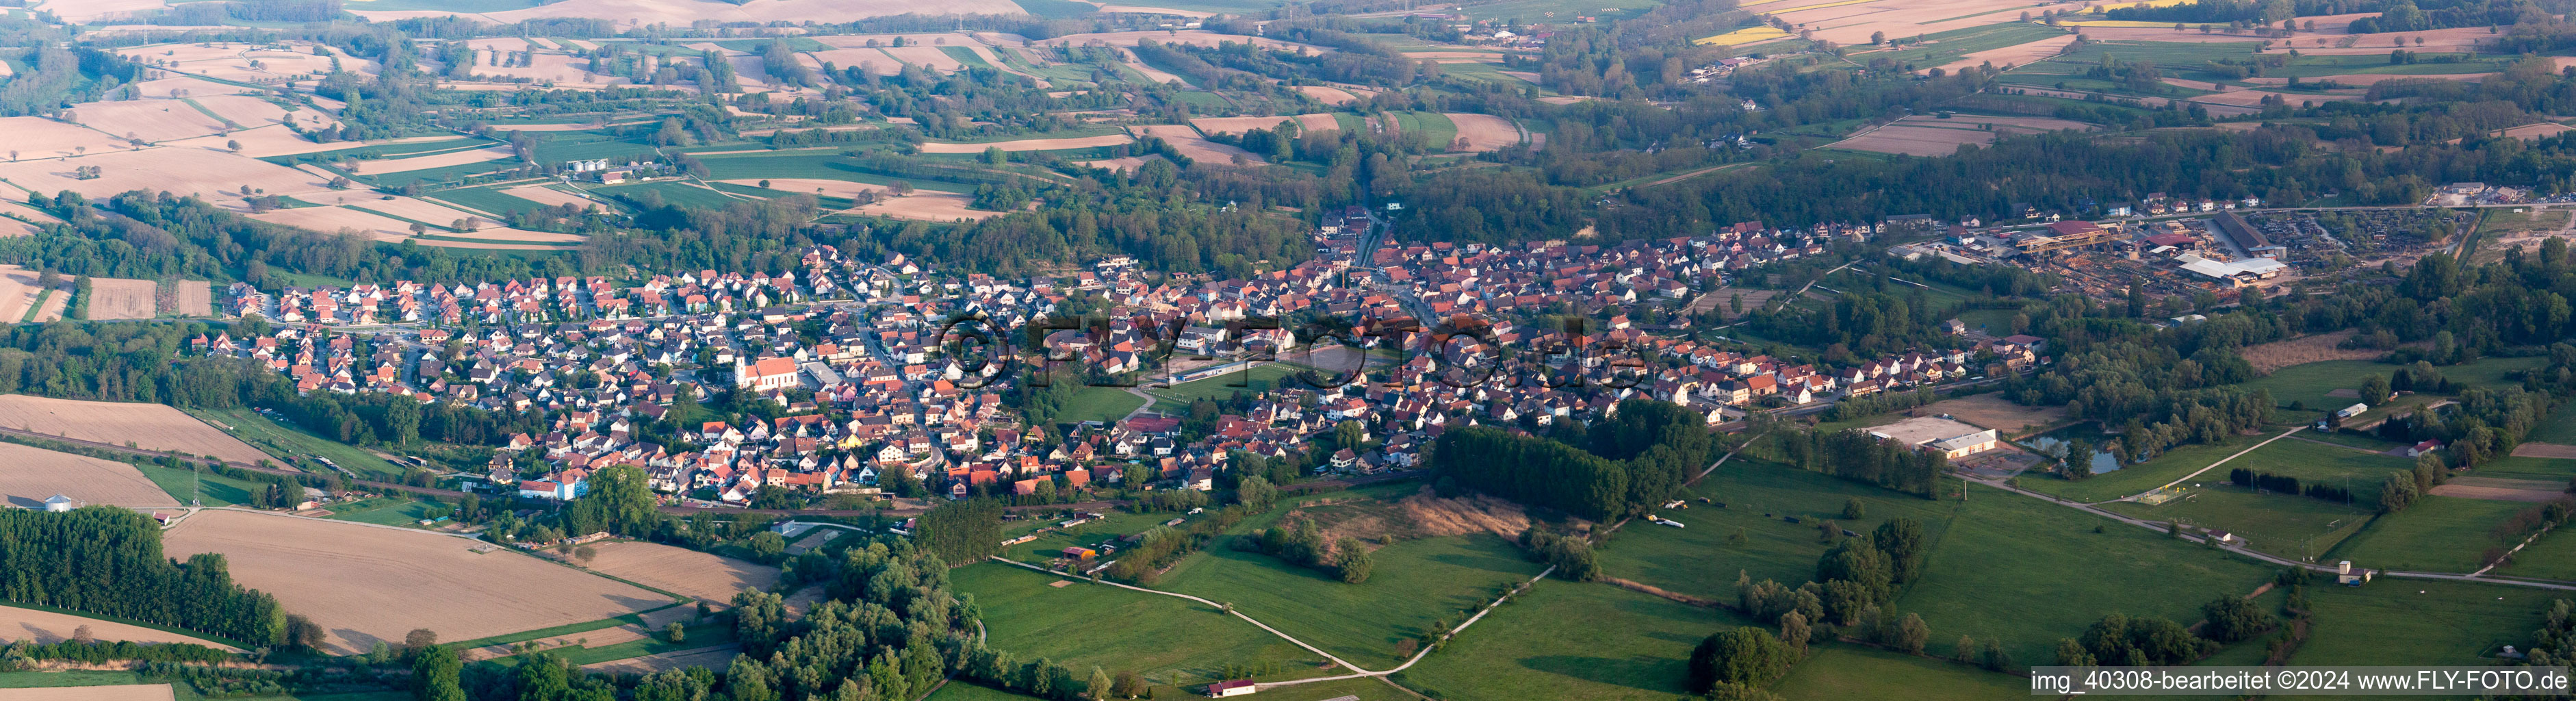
(1628, 463)
(108, 561)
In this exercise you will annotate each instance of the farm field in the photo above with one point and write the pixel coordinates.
(1197, 148)
(2155, 472)
(2437, 534)
(214, 175)
(1915, 139)
(2336, 466)
(115, 298)
(1170, 641)
(1839, 672)
(690, 573)
(1700, 560)
(125, 692)
(212, 489)
(45, 627)
(2286, 525)
(295, 443)
(30, 475)
(2413, 621)
(23, 299)
(151, 426)
(2005, 551)
(1417, 582)
(340, 574)
(1628, 646)
(29, 682)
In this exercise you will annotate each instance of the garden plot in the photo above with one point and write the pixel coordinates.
(47, 627)
(1186, 139)
(148, 120)
(342, 575)
(214, 175)
(116, 298)
(697, 575)
(1033, 144)
(147, 426)
(30, 475)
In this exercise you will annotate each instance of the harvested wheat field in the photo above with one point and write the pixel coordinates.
(1186, 139)
(1306, 123)
(343, 575)
(29, 475)
(814, 186)
(2011, 56)
(333, 219)
(185, 86)
(930, 57)
(417, 209)
(1915, 140)
(47, 627)
(153, 121)
(265, 141)
(191, 298)
(2501, 489)
(1991, 410)
(441, 160)
(1328, 95)
(544, 195)
(927, 205)
(2542, 130)
(1030, 144)
(214, 175)
(2316, 348)
(37, 137)
(682, 13)
(2544, 450)
(18, 294)
(1847, 22)
(115, 298)
(697, 575)
(110, 692)
(2461, 39)
(1125, 163)
(151, 426)
(2016, 125)
(871, 59)
(1485, 132)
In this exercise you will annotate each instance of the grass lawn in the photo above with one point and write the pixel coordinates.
(2419, 622)
(2308, 383)
(1417, 582)
(825, 165)
(217, 490)
(285, 441)
(390, 511)
(1171, 641)
(1099, 404)
(2559, 427)
(2289, 526)
(1628, 646)
(2551, 557)
(2170, 466)
(1837, 672)
(2313, 462)
(1700, 561)
(2437, 534)
(2027, 572)
(1435, 128)
(636, 618)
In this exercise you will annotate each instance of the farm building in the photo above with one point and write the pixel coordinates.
(1951, 439)
(1230, 687)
